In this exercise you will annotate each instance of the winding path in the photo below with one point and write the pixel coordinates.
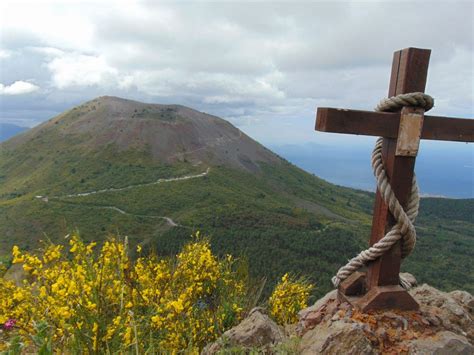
(168, 220)
(159, 181)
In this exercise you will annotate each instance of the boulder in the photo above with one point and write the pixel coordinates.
(330, 296)
(453, 311)
(464, 298)
(443, 325)
(16, 274)
(336, 338)
(257, 330)
(408, 280)
(313, 315)
(444, 342)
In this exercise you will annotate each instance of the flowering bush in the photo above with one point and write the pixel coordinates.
(102, 301)
(289, 297)
(87, 301)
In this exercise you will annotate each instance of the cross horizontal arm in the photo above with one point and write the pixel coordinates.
(386, 124)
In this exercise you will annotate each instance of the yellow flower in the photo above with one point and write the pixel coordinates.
(90, 248)
(110, 333)
(177, 306)
(117, 320)
(74, 246)
(127, 336)
(95, 329)
(17, 257)
(106, 302)
(157, 321)
(288, 298)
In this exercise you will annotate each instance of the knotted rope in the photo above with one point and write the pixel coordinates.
(403, 229)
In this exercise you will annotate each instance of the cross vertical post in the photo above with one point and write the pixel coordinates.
(409, 73)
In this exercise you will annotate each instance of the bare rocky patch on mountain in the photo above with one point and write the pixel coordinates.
(169, 132)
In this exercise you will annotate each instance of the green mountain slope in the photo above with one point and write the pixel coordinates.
(156, 173)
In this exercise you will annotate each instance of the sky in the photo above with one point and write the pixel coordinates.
(264, 66)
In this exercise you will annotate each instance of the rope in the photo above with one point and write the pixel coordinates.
(414, 99)
(403, 229)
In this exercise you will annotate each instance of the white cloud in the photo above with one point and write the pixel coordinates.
(252, 62)
(73, 69)
(64, 24)
(5, 53)
(18, 88)
(47, 51)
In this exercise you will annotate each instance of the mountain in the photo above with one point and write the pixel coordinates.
(8, 130)
(156, 173)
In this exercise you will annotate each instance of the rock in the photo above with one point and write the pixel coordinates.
(256, 330)
(452, 310)
(336, 338)
(313, 315)
(16, 274)
(465, 298)
(433, 319)
(407, 280)
(310, 320)
(382, 334)
(212, 348)
(399, 321)
(443, 343)
(443, 325)
(330, 296)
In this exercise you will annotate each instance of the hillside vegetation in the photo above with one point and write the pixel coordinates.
(252, 203)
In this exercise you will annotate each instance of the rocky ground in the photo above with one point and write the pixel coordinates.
(443, 325)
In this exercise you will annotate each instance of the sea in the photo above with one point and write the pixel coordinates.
(443, 169)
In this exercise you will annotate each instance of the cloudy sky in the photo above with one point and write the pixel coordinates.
(264, 66)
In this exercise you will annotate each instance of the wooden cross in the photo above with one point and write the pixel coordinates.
(379, 287)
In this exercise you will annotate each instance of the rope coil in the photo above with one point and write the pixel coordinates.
(403, 229)
(413, 99)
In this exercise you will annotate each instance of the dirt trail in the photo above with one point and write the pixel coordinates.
(159, 181)
(168, 220)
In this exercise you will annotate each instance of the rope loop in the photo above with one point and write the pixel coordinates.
(413, 99)
(404, 229)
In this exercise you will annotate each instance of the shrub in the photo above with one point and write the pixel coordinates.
(96, 302)
(288, 298)
(87, 301)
